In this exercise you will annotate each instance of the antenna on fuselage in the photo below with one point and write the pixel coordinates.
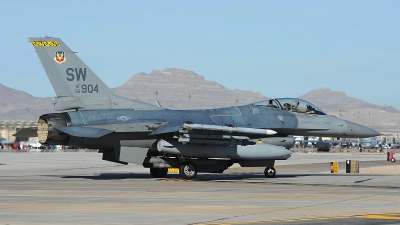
(157, 102)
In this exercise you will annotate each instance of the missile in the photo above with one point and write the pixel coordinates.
(228, 129)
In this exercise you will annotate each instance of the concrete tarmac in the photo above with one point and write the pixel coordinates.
(80, 188)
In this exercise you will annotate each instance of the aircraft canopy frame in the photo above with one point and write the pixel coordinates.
(291, 104)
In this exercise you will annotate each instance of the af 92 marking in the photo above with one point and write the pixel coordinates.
(86, 88)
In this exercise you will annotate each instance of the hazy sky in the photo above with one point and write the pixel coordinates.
(277, 48)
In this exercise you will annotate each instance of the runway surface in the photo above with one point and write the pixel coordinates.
(80, 188)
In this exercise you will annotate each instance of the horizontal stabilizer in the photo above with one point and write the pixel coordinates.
(87, 132)
(26, 132)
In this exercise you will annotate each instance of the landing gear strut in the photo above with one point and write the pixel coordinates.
(270, 172)
(188, 170)
(159, 172)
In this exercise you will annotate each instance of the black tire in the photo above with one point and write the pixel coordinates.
(188, 170)
(270, 172)
(159, 172)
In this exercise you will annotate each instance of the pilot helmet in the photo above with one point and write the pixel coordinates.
(295, 103)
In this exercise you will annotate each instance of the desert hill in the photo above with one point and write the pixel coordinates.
(183, 89)
(19, 105)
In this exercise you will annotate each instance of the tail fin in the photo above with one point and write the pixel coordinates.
(67, 73)
(76, 85)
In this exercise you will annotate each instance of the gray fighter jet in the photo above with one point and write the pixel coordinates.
(209, 140)
(3, 142)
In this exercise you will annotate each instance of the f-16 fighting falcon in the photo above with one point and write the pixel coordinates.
(208, 140)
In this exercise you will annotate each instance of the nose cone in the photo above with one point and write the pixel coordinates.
(360, 131)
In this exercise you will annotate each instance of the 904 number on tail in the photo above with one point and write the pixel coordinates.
(89, 88)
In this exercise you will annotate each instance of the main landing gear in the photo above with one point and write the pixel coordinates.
(159, 172)
(270, 172)
(188, 170)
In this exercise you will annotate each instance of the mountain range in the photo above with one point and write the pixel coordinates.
(183, 89)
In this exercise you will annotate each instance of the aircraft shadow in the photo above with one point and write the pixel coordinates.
(201, 177)
(110, 176)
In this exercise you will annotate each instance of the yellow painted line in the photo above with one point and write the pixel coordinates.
(280, 183)
(381, 217)
(386, 216)
(278, 220)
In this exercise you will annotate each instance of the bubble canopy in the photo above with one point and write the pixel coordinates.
(291, 104)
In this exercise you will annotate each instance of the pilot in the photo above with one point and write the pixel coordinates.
(286, 106)
(295, 105)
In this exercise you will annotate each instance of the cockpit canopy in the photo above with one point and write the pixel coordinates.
(291, 104)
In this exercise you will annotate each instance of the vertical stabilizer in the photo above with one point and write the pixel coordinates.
(67, 73)
(76, 85)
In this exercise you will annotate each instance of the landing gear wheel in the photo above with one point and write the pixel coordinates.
(159, 172)
(188, 170)
(270, 172)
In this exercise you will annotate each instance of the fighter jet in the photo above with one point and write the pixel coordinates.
(208, 140)
(3, 142)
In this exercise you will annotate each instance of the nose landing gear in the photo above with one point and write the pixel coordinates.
(270, 172)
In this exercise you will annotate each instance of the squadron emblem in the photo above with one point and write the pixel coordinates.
(60, 57)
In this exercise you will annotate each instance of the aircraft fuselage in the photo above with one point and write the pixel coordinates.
(138, 124)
